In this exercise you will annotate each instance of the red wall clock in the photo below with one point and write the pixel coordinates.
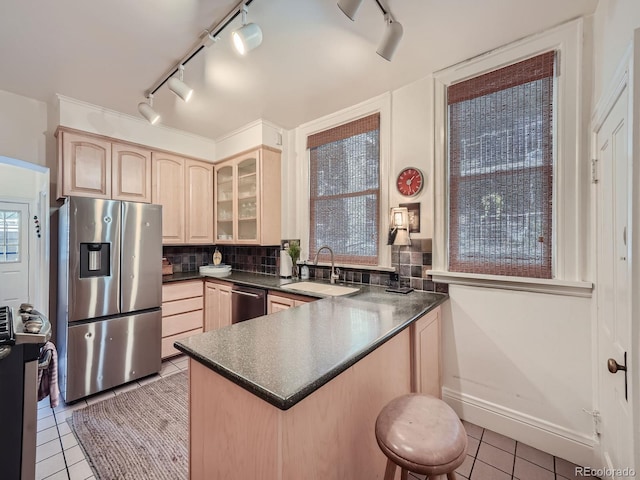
(410, 182)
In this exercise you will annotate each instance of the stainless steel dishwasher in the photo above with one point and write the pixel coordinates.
(247, 303)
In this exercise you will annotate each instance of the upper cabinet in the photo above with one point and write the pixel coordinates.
(131, 173)
(199, 202)
(184, 188)
(168, 191)
(98, 167)
(247, 204)
(84, 166)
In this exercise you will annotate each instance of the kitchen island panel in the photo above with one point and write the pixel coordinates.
(327, 435)
(232, 433)
(331, 433)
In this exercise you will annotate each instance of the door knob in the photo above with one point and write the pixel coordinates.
(614, 366)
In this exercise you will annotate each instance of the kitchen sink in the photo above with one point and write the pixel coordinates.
(321, 288)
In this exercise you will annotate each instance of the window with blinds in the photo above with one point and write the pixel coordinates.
(501, 170)
(344, 176)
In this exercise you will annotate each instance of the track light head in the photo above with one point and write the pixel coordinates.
(390, 39)
(177, 86)
(147, 111)
(349, 7)
(247, 37)
(180, 88)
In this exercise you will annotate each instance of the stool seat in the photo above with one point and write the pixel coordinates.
(422, 434)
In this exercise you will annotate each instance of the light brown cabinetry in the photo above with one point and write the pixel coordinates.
(131, 173)
(199, 202)
(98, 167)
(217, 304)
(184, 188)
(84, 166)
(182, 313)
(425, 354)
(279, 301)
(247, 203)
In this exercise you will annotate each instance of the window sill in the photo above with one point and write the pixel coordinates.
(536, 285)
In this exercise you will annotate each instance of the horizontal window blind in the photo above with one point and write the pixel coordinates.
(344, 180)
(501, 170)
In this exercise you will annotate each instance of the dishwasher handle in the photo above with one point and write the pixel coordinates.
(254, 295)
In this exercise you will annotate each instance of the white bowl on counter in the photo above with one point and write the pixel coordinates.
(215, 270)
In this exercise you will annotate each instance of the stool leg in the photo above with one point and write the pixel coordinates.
(451, 476)
(390, 472)
(404, 474)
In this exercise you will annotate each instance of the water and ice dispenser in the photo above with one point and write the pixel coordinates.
(95, 260)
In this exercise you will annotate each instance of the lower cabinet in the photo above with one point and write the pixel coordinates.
(217, 304)
(182, 313)
(282, 301)
(425, 354)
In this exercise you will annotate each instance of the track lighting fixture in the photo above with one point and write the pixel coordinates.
(349, 7)
(390, 39)
(177, 85)
(247, 37)
(209, 39)
(147, 111)
(392, 33)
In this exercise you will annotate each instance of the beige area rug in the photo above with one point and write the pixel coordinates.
(139, 434)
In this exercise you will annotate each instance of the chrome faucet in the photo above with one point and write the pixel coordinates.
(334, 276)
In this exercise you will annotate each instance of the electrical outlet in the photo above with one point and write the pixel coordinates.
(394, 277)
(425, 269)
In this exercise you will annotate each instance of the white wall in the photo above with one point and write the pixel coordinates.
(23, 126)
(91, 118)
(614, 22)
(254, 134)
(520, 363)
(412, 146)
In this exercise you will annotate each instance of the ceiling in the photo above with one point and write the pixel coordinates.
(313, 60)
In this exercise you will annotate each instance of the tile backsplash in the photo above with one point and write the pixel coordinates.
(243, 258)
(413, 261)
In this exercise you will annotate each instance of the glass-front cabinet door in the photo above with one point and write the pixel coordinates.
(247, 171)
(248, 186)
(224, 204)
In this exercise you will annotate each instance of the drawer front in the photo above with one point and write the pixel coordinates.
(182, 306)
(180, 290)
(181, 323)
(168, 350)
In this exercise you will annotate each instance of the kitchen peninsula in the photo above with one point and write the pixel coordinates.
(295, 394)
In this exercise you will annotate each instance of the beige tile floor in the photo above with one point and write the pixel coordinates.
(490, 456)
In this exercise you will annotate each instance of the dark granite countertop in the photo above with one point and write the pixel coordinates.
(289, 355)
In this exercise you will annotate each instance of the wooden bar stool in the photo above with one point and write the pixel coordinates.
(421, 434)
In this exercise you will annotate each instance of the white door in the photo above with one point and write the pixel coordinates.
(613, 292)
(14, 253)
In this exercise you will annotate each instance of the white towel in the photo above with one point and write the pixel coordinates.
(48, 377)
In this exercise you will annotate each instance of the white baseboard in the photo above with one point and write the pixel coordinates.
(562, 442)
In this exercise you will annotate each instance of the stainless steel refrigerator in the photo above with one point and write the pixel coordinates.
(109, 294)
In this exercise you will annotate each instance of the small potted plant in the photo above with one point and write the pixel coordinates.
(294, 253)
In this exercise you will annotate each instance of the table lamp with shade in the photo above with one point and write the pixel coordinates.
(399, 235)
